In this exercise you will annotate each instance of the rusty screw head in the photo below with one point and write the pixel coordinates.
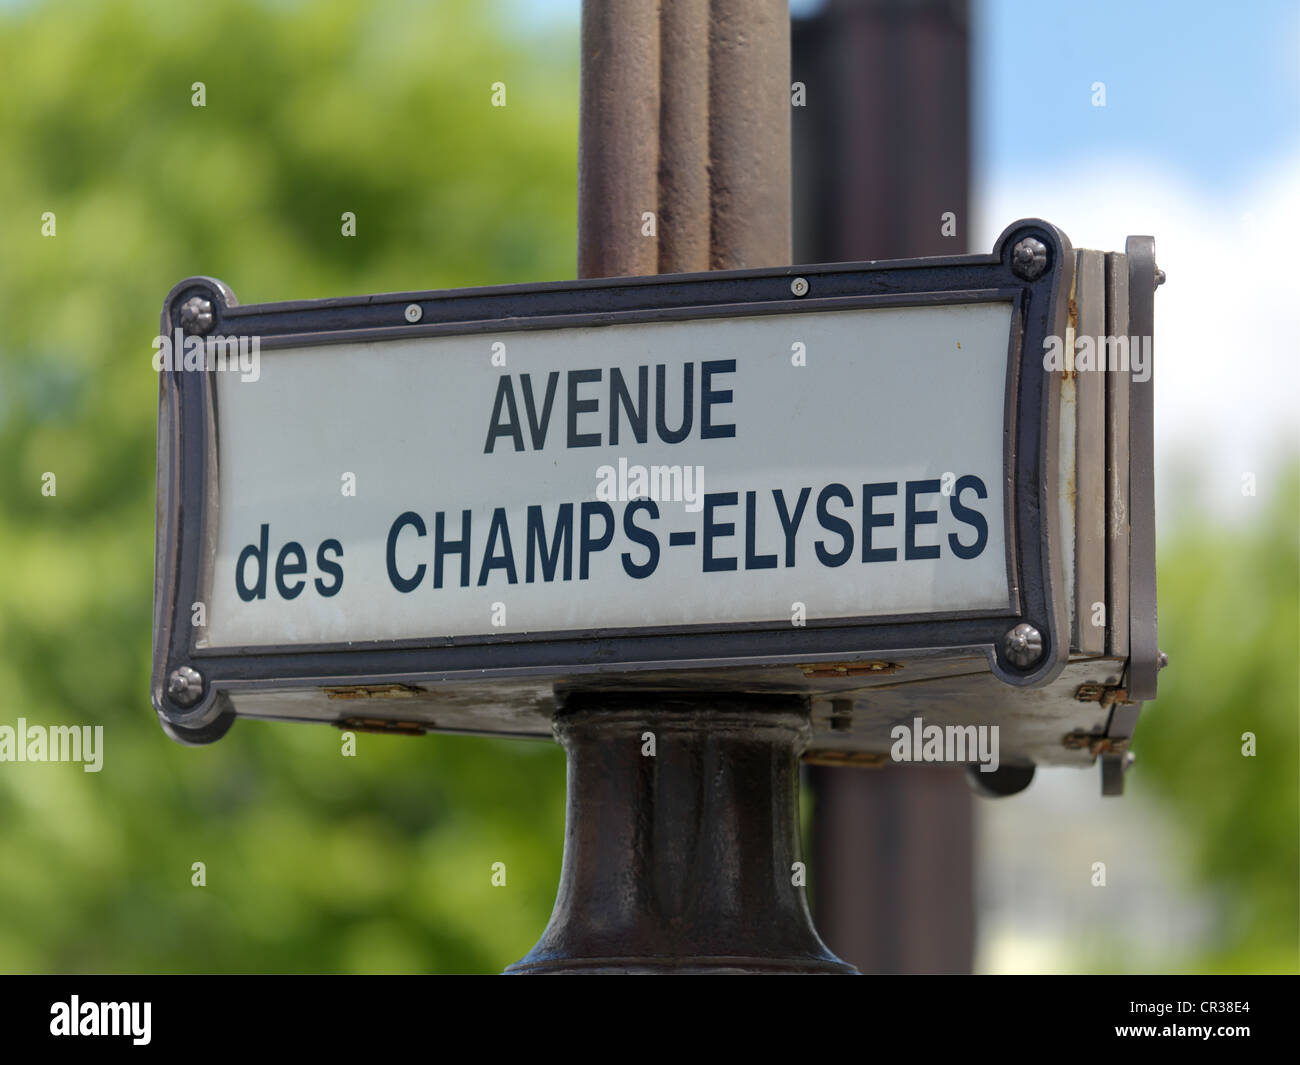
(1029, 258)
(196, 316)
(185, 685)
(1023, 645)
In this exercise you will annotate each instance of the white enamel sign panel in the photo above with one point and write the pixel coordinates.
(752, 469)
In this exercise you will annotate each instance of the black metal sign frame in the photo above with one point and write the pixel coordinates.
(1030, 267)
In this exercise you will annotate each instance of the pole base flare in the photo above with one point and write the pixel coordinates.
(681, 840)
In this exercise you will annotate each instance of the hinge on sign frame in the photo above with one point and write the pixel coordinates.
(1115, 756)
(1101, 693)
(1095, 743)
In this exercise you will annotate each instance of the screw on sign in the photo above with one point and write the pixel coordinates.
(185, 685)
(1029, 258)
(196, 316)
(1024, 645)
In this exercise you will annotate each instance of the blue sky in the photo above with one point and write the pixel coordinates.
(1210, 90)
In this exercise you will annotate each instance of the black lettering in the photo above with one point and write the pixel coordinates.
(872, 520)
(330, 567)
(913, 518)
(790, 525)
(712, 529)
(641, 536)
(536, 426)
(394, 578)
(708, 397)
(752, 560)
(537, 543)
(283, 568)
(258, 555)
(443, 547)
(577, 406)
(587, 544)
(638, 416)
(675, 436)
(505, 396)
(971, 517)
(506, 560)
(833, 524)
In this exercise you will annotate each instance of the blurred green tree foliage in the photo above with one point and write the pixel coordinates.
(314, 862)
(1230, 621)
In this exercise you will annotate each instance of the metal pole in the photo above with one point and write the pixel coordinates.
(618, 138)
(681, 838)
(685, 114)
(883, 155)
(749, 133)
(681, 860)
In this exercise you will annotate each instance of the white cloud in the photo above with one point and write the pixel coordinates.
(1227, 320)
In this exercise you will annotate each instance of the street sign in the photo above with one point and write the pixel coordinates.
(434, 511)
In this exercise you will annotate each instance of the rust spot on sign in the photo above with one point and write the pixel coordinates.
(383, 725)
(374, 691)
(861, 759)
(850, 669)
